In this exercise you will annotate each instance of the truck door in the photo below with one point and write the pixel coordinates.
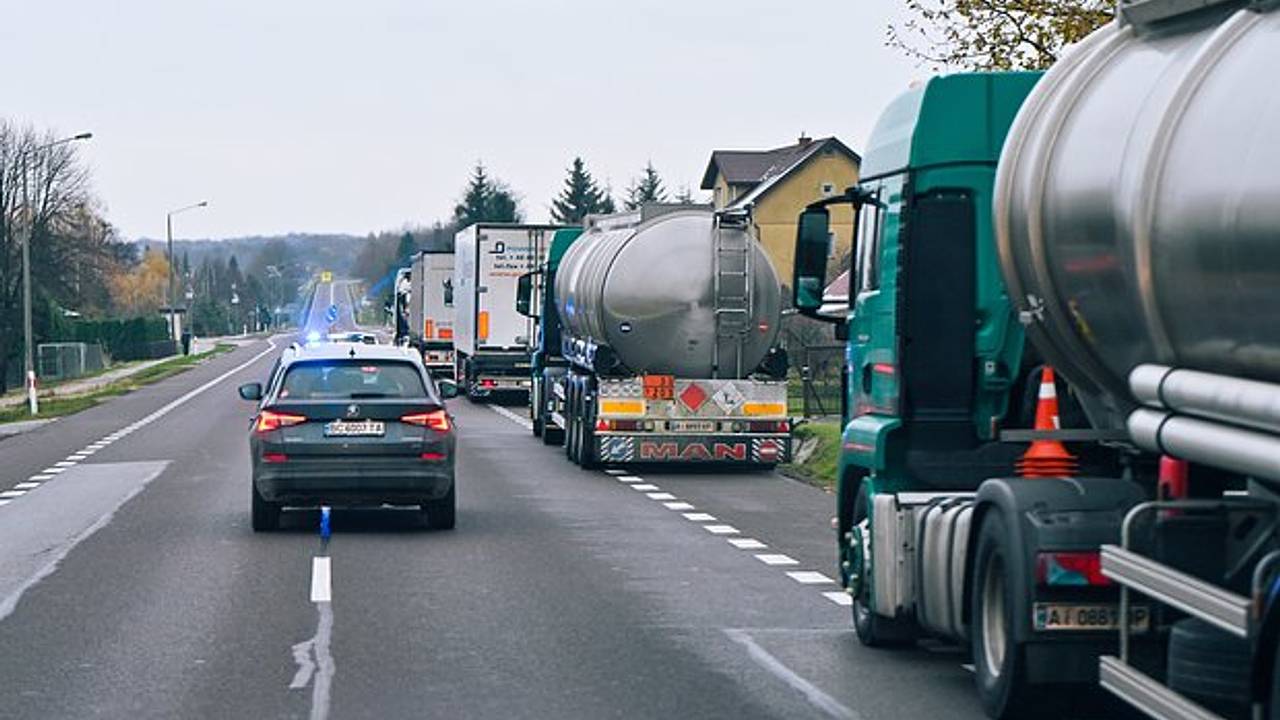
(872, 363)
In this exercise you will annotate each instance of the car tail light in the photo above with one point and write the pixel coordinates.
(274, 458)
(433, 456)
(269, 420)
(770, 426)
(436, 420)
(1070, 569)
(488, 383)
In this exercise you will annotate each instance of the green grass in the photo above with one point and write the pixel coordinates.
(820, 467)
(59, 406)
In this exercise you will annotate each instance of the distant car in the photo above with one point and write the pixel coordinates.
(364, 338)
(347, 424)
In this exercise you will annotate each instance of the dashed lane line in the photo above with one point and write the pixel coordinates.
(747, 543)
(809, 577)
(644, 487)
(700, 517)
(839, 597)
(660, 496)
(721, 529)
(777, 559)
(679, 505)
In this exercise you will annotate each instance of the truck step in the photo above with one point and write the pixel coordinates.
(1141, 691)
(1221, 608)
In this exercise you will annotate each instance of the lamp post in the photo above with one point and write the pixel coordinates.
(173, 297)
(28, 336)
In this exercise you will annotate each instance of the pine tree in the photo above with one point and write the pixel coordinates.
(646, 189)
(486, 200)
(580, 197)
(406, 249)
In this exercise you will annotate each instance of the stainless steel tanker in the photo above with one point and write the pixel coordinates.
(669, 318)
(1138, 200)
(660, 294)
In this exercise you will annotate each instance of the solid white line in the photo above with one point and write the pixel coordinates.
(660, 496)
(777, 560)
(700, 517)
(839, 597)
(321, 589)
(26, 486)
(809, 577)
(12, 493)
(679, 505)
(721, 529)
(630, 478)
(645, 487)
(819, 699)
(747, 543)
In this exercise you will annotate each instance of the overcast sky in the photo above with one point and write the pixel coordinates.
(318, 115)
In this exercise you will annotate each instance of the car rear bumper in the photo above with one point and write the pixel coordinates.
(317, 482)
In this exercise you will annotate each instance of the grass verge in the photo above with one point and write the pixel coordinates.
(59, 406)
(817, 446)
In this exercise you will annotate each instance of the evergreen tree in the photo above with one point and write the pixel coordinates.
(646, 189)
(405, 250)
(486, 200)
(581, 197)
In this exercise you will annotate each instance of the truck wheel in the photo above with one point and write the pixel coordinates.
(997, 658)
(1211, 667)
(586, 438)
(442, 514)
(571, 421)
(551, 435)
(873, 629)
(264, 515)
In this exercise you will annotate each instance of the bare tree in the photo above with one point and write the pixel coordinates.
(995, 34)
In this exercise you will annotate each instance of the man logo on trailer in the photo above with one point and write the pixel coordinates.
(692, 451)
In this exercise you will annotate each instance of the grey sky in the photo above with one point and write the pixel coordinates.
(357, 116)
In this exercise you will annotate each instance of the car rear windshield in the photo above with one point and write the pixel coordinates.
(349, 380)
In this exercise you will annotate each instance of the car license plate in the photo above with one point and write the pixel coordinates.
(1099, 616)
(693, 425)
(355, 428)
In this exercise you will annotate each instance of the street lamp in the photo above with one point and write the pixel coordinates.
(27, 334)
(173, 298)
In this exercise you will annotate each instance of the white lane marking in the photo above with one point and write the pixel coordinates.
(679, 505)
(4, 502)
(12, 493)
(86, 452)
(660, 496)
(816, 697)
(319, 672)
(630, 478)
(64, 464)
(721, 529)
(614, 471)
(52, 470)
(809, 577)
(82, 455)
(777, 559)
(645, 487)
(747, 543)
(40, 478)
(700, 517)
(26, 486)
(321, 589)
(839, 597)
(524, 422)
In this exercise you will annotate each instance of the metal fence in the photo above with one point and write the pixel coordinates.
(815, 387)
(60, 361)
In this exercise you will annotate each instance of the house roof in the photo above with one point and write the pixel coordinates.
(763, 168)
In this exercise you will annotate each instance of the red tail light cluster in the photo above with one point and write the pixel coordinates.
(433, 456)
(269, 420)
(488, 383)
(436, 420)
(274, 458)
(1070, 568)
(769, 426)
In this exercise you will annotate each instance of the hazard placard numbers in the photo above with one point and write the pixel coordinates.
(659, 387)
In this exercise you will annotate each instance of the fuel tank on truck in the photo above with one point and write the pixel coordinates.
(1137, 202)
(684, 292)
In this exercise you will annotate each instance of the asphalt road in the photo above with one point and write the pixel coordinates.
(131, 585)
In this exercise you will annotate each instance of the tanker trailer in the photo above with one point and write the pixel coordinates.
(669, 322)
(1126, 223)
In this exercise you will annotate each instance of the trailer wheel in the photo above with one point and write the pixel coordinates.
(571, 420)
(1210, 666)
(997, 658)
(873, 629)
(587, 440)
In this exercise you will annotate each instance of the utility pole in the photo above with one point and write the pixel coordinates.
(28, 336)
(173, 287)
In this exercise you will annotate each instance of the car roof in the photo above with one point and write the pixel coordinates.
(349, 350)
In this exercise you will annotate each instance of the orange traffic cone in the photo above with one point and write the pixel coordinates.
(1047, 458)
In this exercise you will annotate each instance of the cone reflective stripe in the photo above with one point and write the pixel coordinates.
(1047, 458)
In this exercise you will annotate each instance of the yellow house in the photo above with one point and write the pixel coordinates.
(777, 185)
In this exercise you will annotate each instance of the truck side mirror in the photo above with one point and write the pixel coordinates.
(813, 245)
(524, 295)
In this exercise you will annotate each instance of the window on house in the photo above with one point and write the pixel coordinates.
(828, 189)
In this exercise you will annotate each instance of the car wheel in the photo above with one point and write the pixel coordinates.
(264, 515)
(442, 514)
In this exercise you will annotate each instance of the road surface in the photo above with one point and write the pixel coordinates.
(132, 586)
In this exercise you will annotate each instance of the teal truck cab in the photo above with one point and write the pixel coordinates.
(535, 298)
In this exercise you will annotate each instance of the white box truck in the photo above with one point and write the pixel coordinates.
(431, 309)
(492, 342)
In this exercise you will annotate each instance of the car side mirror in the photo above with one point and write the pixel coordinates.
(813, 245)
(448, 389)
(251, 391)
(524, 295)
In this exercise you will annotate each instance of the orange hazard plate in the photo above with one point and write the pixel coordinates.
(659, 387)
